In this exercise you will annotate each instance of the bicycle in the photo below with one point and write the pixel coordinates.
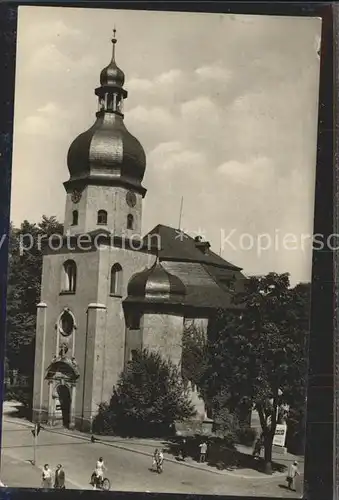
(102, 484)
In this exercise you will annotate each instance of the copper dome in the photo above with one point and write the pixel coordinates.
(112, 75)
(156, 285)
(109, 150)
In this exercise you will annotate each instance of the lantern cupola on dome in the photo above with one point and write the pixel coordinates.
(107, 152)
(112, 75)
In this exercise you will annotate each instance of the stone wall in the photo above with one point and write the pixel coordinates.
(110, 199)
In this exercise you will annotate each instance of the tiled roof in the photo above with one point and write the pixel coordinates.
(176, 245)
(202, 288)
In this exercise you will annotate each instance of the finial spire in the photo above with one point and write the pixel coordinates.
(114, 41)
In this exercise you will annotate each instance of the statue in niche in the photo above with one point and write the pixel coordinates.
(63, 350)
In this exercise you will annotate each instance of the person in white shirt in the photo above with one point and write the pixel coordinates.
(155, 458)
(160, 461)
(46, 477)
(291, 475)
(99, 472)
(203, 451)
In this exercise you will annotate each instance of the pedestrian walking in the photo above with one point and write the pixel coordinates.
(257, 447)
(46, 477)
(155, 459)
(183, 449)
(203, 451)
(160, 462)
(293, 471)
(59, 480)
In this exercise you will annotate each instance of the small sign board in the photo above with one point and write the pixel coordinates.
(280, 435)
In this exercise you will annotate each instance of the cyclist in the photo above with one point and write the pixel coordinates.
(99, 473)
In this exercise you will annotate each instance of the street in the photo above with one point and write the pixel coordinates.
(127, 470)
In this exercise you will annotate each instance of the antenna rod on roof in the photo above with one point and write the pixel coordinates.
(180, 214)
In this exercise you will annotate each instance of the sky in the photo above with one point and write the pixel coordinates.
(225, 107)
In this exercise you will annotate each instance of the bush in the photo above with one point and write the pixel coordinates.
(246, 436)
(149, 397)
(20, 394)
(226, 424)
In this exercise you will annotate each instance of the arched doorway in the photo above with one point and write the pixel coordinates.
(62, 375)
(65, 404)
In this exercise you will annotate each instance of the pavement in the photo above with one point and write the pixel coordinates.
(128, 463)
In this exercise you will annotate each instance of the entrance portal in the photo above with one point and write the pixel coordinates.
(65, 403)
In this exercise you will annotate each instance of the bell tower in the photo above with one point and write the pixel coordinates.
(80, 333)
(106, 165)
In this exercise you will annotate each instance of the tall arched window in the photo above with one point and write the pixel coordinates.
(102, 217)
(116, 280)
(75, 217)
(130, 221)
(70, 276)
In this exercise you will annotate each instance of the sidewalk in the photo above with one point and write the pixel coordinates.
(13, 470)
(147, 446)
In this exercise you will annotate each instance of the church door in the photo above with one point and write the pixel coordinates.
(65, 403)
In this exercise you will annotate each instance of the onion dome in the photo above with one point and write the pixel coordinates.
(107, 152)
(156, 285)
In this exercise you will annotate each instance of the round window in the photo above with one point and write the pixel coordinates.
(66, 323)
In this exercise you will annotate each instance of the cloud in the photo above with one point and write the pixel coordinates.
(169, 78)
(173, 156)
(218, 73)
(198, 106)
(140, 85)
(51, 30)
(165, 148)
(257, 172)
(48, 59)
(161, 83)
(45, 121)
(155, 115)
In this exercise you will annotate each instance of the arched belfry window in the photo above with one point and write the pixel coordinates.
(116, 280)
(69, 276)
(130, 221)
(75, 217)
(102, 217)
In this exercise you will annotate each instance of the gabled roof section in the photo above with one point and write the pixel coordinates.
(177, 245)
(202, 288)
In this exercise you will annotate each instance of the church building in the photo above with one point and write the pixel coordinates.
(107, 290)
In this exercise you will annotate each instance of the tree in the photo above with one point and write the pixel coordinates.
(149, 397)
(257, 355)
(193, 359)
(23, 292)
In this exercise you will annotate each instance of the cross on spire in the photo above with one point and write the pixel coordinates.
(114, 41)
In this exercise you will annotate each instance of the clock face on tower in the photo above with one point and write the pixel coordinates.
(76, 196)
(131, 199)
